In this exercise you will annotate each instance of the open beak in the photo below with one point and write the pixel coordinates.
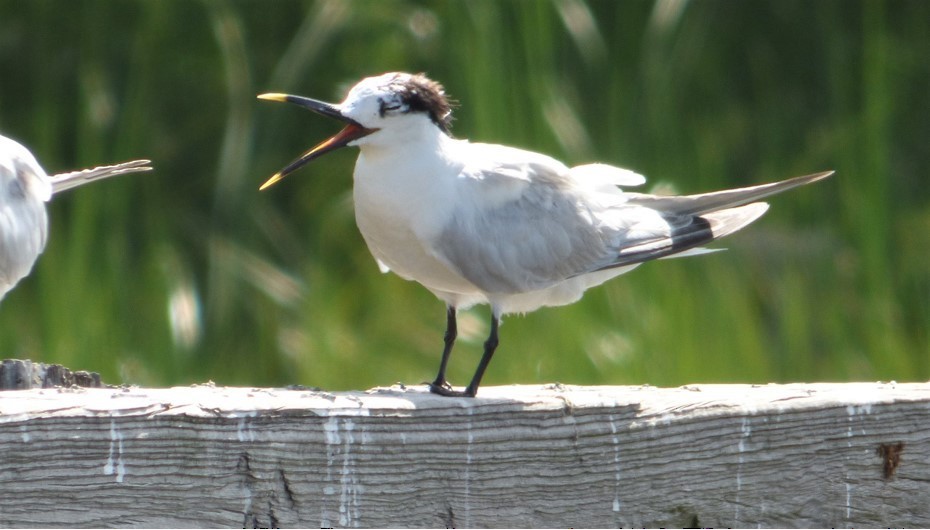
(352, 131)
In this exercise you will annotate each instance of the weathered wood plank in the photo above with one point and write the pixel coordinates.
(712, 455)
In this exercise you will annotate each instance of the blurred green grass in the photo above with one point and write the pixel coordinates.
(190, 274)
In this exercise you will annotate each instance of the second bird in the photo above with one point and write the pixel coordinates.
(24, 190)
(488, 224)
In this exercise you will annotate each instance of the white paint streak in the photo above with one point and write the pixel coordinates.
(340, 436)
(745, 433)
(349, 481)
(849, 435)
(331, 436)
(468, 461)
(114, 465)
(855, 410)
(247, 495)
(616, 442)
(666, 419)
(244, 431)
(848, 500)
(331, 432)
(853, 413)
(25, 434)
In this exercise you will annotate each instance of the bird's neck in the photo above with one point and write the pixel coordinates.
(422, 139)
(406, 179)
(408, 154)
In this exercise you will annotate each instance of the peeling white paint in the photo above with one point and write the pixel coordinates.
(114, 465)
(25, 434)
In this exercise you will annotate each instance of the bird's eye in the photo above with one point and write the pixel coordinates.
(390, 107)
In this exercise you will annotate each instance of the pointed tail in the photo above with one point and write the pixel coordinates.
(73, 179)
(696, 220)
(717, 200)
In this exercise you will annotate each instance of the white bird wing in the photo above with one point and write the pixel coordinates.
(526, 222)
(73, 179)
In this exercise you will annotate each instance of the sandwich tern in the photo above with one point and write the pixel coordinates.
(479, 223)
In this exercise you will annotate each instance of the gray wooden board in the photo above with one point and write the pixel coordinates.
(799, 455)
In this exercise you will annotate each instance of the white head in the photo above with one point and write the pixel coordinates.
(378, 102)
(375, 111)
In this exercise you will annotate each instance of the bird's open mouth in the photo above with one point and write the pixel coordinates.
(352, 131)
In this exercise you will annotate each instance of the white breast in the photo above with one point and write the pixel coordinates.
(401, 206)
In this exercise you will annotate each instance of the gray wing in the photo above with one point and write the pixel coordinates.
(528, 225)
(73, 179)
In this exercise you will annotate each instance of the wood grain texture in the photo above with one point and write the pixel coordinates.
(797, 455)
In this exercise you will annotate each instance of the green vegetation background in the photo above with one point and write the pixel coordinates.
(190, 273)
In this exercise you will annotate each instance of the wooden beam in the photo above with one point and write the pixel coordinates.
(800, 455)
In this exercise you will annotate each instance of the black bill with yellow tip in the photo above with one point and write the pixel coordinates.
(352, 131)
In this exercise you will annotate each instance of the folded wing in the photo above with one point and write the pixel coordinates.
(551, 227)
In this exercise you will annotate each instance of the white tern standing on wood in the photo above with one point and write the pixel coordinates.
(24, 190)
(488, 224)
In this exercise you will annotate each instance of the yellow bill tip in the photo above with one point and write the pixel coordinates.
(274, 178)
(273, 96)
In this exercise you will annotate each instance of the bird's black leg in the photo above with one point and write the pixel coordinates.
(489, 346)
(440, 385)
